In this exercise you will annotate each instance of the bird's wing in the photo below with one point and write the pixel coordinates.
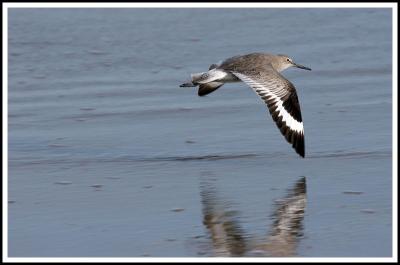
(281, 98)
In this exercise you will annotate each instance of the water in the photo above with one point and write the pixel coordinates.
(109, 157)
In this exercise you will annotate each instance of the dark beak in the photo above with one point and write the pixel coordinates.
(301, 66)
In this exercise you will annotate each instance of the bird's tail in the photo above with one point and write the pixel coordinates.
(199, 78)
(194, 78)
(188, 84)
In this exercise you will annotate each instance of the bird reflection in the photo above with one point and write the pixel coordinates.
(228, 237)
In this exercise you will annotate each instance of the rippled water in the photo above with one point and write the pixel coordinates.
(108, 156)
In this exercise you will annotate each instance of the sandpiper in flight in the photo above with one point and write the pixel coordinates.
(261, 71)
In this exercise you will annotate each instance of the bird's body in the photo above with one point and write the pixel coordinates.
(261, 71)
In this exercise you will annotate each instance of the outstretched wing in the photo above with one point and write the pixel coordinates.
(281, 98)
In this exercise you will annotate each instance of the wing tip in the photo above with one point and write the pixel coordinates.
(298, 145)
(301, 153)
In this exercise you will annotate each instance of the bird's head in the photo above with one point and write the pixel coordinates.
(283, 62)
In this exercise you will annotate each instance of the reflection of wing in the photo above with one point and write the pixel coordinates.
(287, 227)
(222, 224)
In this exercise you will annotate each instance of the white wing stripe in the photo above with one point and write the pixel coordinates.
(287, 118)
(261, 90)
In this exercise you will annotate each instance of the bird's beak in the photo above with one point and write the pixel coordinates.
(301, 66)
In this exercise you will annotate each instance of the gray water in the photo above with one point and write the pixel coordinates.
(108, 156)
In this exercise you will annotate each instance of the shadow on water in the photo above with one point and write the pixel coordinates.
(229, 238)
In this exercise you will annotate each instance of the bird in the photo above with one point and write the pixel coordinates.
(262, 72)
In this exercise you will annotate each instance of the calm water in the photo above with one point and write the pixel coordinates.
(108, 156)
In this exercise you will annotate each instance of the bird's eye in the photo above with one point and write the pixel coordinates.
(288, 60)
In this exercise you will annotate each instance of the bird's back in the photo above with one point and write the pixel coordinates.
(246, 62)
